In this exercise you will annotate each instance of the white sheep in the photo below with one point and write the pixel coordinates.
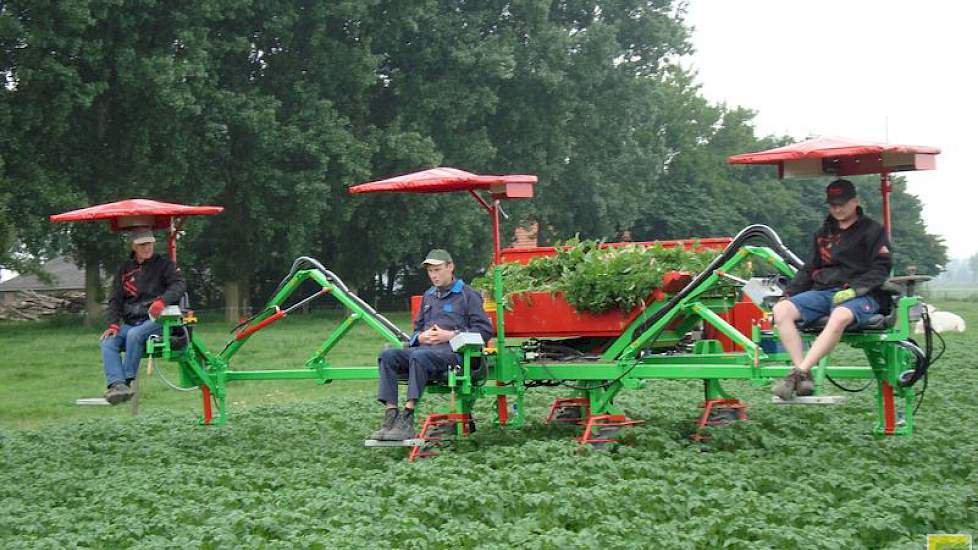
(942, 321)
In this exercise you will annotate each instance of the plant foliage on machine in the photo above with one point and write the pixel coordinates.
(596, 279)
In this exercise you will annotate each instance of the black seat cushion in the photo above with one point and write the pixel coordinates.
(180, 338)
(874, 322)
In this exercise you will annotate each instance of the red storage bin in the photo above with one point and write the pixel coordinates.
(542, 314)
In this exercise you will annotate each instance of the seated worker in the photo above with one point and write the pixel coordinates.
(850, 261)
(447, 308)
(144, 285)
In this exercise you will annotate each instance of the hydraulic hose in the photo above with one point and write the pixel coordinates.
(334, 278)
(910, 377)
(757, 231)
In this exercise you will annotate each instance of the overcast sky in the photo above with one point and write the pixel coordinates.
(853, 69)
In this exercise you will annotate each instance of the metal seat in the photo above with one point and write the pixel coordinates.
(479, 373)
(875, 322)
(884, 320)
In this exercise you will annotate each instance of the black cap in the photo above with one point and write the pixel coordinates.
(840, 192)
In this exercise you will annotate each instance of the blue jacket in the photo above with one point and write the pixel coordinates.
(458, 308)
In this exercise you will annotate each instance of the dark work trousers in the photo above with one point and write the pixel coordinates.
(418, 365)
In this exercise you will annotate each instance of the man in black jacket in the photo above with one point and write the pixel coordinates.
(850, 261)
(145, 284)
(447, 308)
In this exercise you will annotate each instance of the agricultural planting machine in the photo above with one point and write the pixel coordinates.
(710, 326)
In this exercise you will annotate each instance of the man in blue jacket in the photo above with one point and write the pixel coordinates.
(447, 308)
(850, 261)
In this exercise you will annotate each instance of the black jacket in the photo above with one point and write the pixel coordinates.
(859, 257)
(136, 286)
(458, 308)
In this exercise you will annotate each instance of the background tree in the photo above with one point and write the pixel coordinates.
(273, 108)
(103, 97)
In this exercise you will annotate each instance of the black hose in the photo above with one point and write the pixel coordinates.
(746, 234)
(750, 232)
(930, 358)
(920, 395)
(335, 279)
(910, 377)
(850, 390)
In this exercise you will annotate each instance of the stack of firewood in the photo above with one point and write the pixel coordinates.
(31, 306)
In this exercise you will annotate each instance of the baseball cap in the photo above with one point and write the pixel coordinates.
(840, 192)
(141, 236)
(437, 256)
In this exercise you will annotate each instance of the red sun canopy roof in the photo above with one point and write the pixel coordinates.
(131, 213)
(444, 180)
(834, 156)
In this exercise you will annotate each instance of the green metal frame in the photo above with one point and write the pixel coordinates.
(211, 372)
(625, 364)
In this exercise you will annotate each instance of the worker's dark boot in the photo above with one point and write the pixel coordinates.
(117, 393)
(805, 385)
(786, 387)
(390, 417)
(403, 427)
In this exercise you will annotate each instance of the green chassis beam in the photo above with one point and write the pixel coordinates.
(623, 365)
(682, 371)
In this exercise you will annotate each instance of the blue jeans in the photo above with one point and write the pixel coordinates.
(132, 340)
(815, 304)
(419, 364)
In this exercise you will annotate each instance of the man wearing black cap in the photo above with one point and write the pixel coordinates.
(447, 308)
(144, 285)
(850, 261)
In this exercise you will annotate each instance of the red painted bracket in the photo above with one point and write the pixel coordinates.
(208, 412)
(264, 323)
(436, 420)
(716, 405)
(593, 425)
(568, 402)
(889, 410)
(502, 408)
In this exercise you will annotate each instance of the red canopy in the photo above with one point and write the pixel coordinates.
(130, 213)
(444, 179)
(834, 156)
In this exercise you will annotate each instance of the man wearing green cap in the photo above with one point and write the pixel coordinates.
(447, 308)
(850, 261)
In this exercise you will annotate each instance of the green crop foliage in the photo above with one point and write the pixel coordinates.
(595, 279)
(294, 474)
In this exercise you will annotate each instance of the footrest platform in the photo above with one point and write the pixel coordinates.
(810, 400)
(406, 443)
(90, 401)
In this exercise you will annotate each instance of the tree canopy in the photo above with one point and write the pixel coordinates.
(273, 108)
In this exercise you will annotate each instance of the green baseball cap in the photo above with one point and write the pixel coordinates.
(437, 256)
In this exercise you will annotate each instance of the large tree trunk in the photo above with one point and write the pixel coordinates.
(231, 302)
(236, 299)
(93, 294)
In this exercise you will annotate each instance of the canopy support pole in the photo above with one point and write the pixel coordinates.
(493, 210)
(171, 245)
(885, 188)
(496, 251)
